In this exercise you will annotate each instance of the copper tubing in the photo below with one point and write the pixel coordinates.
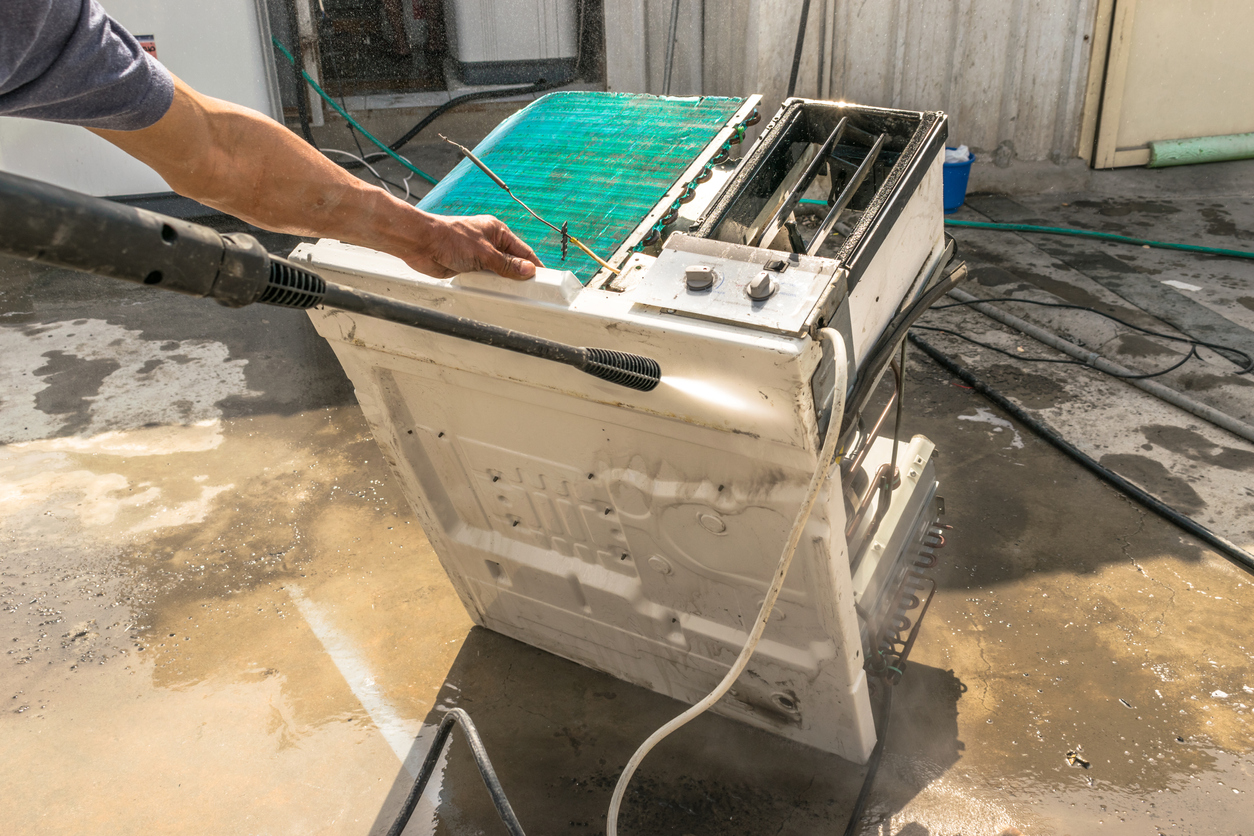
(890, 484)
(884, 473)
(865, 446)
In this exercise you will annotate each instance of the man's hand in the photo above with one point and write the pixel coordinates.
(242, 162)
(460, 245)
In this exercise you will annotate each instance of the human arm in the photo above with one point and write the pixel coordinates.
(239, 161)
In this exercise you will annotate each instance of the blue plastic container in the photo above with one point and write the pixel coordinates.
(956, 175)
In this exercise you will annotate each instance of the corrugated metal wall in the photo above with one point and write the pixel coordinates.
(1010, 73)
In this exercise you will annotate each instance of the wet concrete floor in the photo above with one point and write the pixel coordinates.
(1188, 462)
(220, 616)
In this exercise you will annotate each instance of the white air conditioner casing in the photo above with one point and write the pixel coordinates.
(637, 532)
(513, 41)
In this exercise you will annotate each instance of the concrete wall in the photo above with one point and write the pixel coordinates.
(1010, 73)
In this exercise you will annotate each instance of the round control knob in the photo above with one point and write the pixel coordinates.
(700, 277)
(761, 287)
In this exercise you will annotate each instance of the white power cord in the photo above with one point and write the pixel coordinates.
(826, 457)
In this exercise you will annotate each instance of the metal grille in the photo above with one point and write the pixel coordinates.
(598, 161)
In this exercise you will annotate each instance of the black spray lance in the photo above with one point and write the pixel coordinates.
(45, 223)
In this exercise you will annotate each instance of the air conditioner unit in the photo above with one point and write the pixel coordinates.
(513, 41)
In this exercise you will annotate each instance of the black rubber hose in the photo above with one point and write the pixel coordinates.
(393, 310)
(480, 754)
(631, 370)
(1230, 550)
(538, 87)
(801, 42)
(625, 369)
(302, 106)
(872, 765)
(886, 345)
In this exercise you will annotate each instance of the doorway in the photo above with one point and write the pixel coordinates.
(1165, 69)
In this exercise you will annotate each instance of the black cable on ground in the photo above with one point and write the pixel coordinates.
(801, 42)
(872, 765)
(1245, 366)
(1022, 359)
(480, 754)
(1225, 547)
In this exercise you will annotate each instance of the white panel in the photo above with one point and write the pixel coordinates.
(626, 531)
(513, 30)
(626, 67)
(219, 48)
(70, 156)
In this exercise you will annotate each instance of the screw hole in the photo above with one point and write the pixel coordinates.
(590, 476)
(441, 435)
(514, 523)
(153, 278)
(169, 234)
(720, 488)
(785, 702)
(496, 478)
(411, 432)
(607, 512)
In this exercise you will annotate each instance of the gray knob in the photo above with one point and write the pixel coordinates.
(700, 276)
(761, 287)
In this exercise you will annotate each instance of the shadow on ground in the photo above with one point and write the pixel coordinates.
(559, 734)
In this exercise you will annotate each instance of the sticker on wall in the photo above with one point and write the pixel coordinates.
(149, 43)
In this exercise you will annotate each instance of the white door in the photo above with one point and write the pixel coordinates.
(1174, 69)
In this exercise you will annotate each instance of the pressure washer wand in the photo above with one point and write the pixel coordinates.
(46, 223)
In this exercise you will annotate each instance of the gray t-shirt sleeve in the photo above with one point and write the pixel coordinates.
(68, 61)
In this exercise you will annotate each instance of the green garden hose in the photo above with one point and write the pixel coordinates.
(1082, 233)
(341, 111)
(1101, 236)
